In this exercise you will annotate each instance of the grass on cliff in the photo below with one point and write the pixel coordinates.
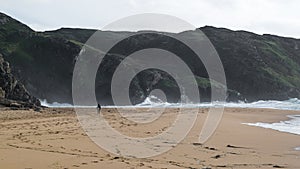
(287, 71)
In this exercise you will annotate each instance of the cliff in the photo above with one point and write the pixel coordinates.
(256, 66)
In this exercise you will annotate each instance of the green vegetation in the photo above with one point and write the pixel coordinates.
(277, 77)
(20, 56)
(285, 71)
(276, 50)
(203, 82)
(169, 83)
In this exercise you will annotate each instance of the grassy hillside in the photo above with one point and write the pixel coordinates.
(258, 66)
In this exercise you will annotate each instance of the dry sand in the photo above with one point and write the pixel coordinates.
(55, 139)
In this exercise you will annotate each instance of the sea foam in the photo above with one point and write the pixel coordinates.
(152, 101)
(289, 126)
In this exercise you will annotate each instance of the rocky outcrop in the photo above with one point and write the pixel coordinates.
(12, 92)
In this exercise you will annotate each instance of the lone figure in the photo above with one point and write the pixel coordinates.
(98, 108)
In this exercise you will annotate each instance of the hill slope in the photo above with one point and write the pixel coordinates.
(256, 66)
(259, 67)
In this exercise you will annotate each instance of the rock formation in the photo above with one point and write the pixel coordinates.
(12, 92)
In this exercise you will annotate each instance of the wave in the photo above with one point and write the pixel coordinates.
(289, 126)
(291, 104)
(152, 101)
(55, 104)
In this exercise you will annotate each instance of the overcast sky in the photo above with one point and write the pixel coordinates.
(280, 17)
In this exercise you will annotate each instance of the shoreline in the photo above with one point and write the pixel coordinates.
(53, 138)
(263, 125)
(289, 118)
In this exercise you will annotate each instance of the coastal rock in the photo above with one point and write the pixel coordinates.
(12, 92)
(2, 93)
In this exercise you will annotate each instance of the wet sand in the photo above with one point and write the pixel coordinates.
(54, 139)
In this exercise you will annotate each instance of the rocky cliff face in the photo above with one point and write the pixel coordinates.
(12, 92)
(256, 66)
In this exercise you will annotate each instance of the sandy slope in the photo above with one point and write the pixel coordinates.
(54, 139)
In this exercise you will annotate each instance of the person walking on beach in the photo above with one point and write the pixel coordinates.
(98, 108)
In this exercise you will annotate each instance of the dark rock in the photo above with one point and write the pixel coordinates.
(217, 156)
(12, 92)
(2, 93)
(231, 146)
(197, 144)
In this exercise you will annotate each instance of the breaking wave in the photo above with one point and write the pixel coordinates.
(289, 126)
(152, 101)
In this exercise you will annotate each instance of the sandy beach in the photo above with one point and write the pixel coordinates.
(53, 138)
